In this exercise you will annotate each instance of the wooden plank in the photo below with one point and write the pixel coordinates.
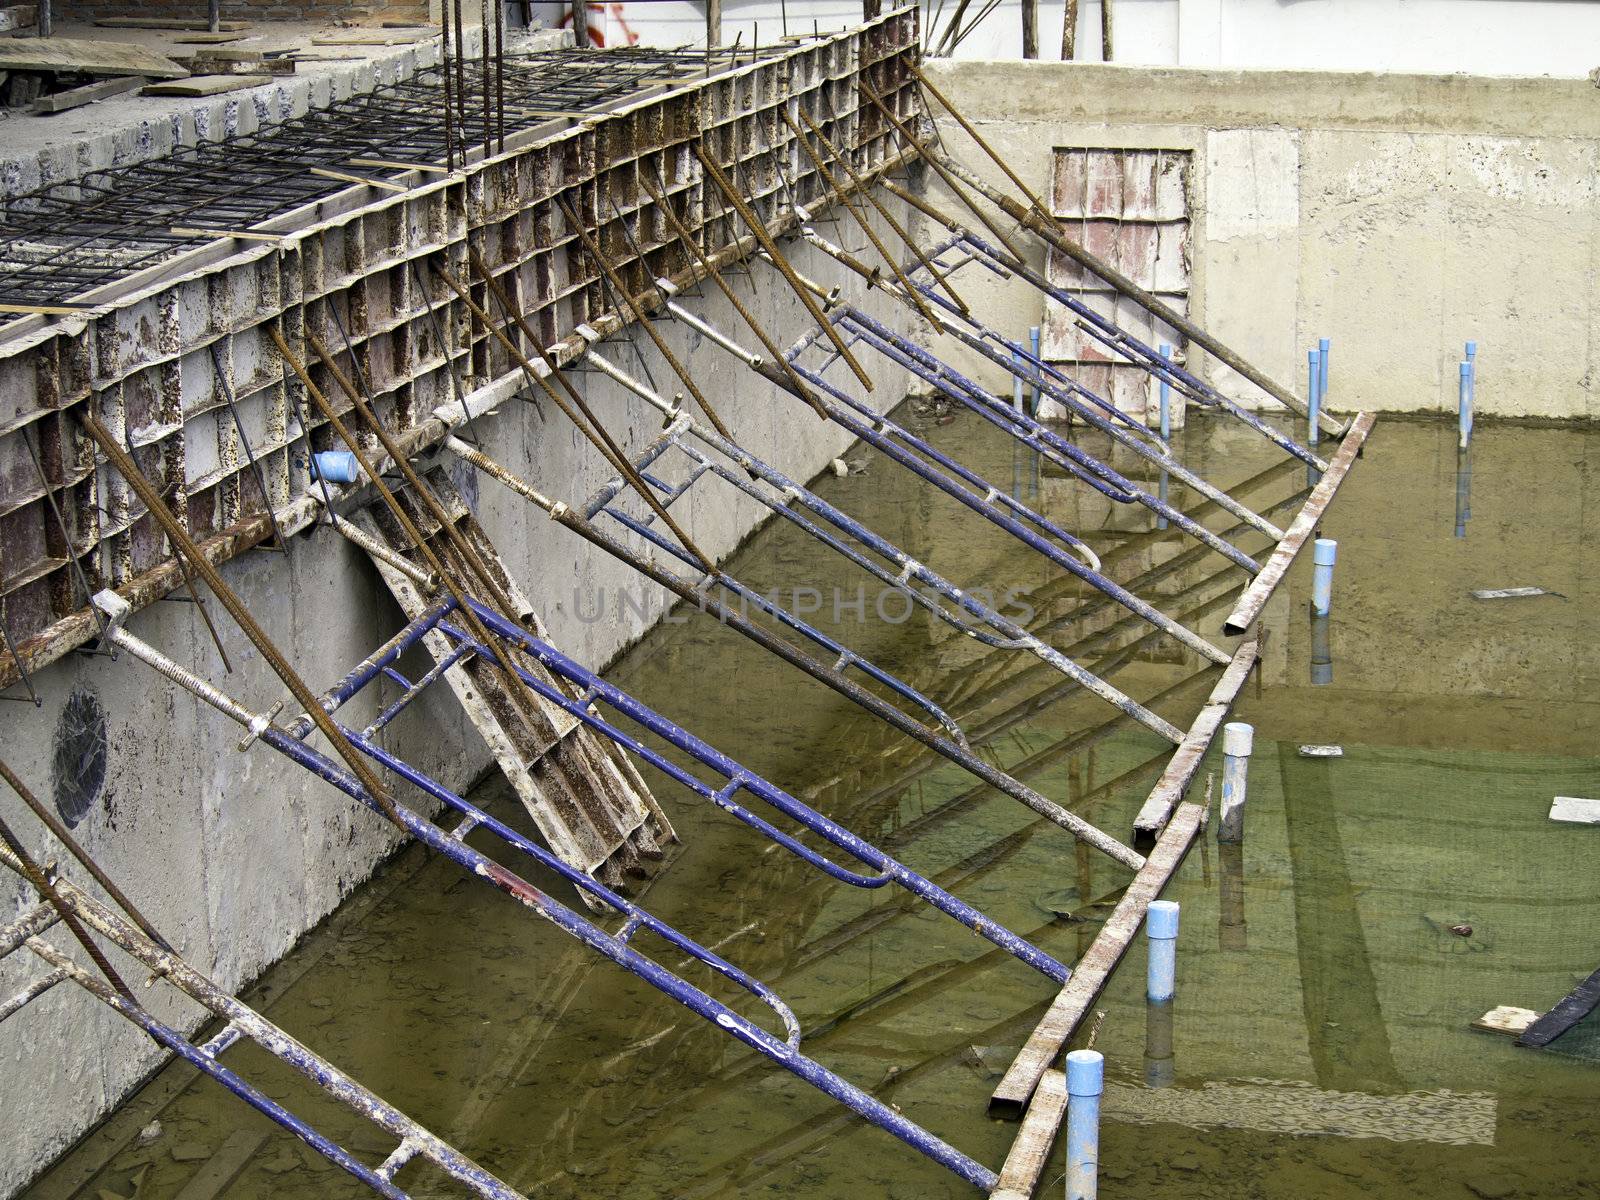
(87, 94)
(348, 177)
(1574, 1007)
(18, 16)
(1254, 597)
(1089, 976)
(1175, 780)
(1026, 1159)
(43, 310)
(243, 234)
(205, 85)
(168, 23)
(386, 164)
(1506, 1019)
(85, 57)
(207, 38)
(223, 1167)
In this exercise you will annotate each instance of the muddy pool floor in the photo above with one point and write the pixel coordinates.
(1320, 1045)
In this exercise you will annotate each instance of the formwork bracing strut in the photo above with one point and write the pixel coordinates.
(784, 1050)
(240, 1021)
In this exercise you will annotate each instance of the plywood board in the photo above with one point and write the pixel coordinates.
(206, 85)
(85, 57)
(1575, 810)
(1506, 1019)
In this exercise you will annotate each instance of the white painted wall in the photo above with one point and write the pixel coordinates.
(1481, 37)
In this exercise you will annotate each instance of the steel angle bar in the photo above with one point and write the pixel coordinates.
(242, 1021)
(784, 1051)
(884, 436)
(604, 503)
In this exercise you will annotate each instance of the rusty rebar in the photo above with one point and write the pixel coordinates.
(597, 435)
(912, 295)
(185, 546)
(620, 289)
(900, 230)
(64, 836)
(697, 255)
(41, 884)
(754, 224)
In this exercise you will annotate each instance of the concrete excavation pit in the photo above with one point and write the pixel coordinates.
(410, 327)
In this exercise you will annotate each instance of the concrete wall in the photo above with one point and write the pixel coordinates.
(1399, 215)
(232, 856)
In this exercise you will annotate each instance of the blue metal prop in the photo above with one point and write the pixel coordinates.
(881, 869)
(1127, 347)
(887, 437)
(603, 502)
(957, 607)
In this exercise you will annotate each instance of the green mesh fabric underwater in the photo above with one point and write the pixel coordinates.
(1581, 1041)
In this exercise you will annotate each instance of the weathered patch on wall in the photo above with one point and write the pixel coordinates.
(1252, 185)
(79, 761)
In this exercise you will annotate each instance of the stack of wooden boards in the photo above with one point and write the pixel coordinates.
(57, 74)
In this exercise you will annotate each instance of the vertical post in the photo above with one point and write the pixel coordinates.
(870, 9)
(1069, 32)
(1016, 380)
(1324, 345)
(1160, 1068)
(1086, 1073)
(580, 24)
(1161, 930)
(1238, 739)
(1464, 436)
(1323, 553)
(1166, 424)
(1030, 28)
(43, 18)
(1463, 490)
(1105, 30)
(1313, 395)
(1033, 344)
(714, 21)
(214, 15)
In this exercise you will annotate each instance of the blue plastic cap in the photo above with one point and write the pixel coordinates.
(336, 466)
(1033, 333)
(1472, 348)
(1466, 369)
(1312, 357)
(1161, 922)
(1166, 350)
(1086, 1072)
(1324, 551)
(1324, 343)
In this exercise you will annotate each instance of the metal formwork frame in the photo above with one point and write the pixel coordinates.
(169, 354)
(240, 1022)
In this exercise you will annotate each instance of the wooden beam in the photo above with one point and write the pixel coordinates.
(1185, 761)
(223, 1167)
(1254, 597)
(1026, 1159)
(169, 23)
(349, 177)
(1089, 977)
(87, 94)
(206, 85)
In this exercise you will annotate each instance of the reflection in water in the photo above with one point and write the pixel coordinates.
(1463, 489)
(1321, 651)
(1160, 1069)
(1232, 932)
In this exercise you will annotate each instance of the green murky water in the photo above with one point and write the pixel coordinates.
(1320, 1046)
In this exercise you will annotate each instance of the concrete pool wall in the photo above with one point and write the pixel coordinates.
(1399, 215)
